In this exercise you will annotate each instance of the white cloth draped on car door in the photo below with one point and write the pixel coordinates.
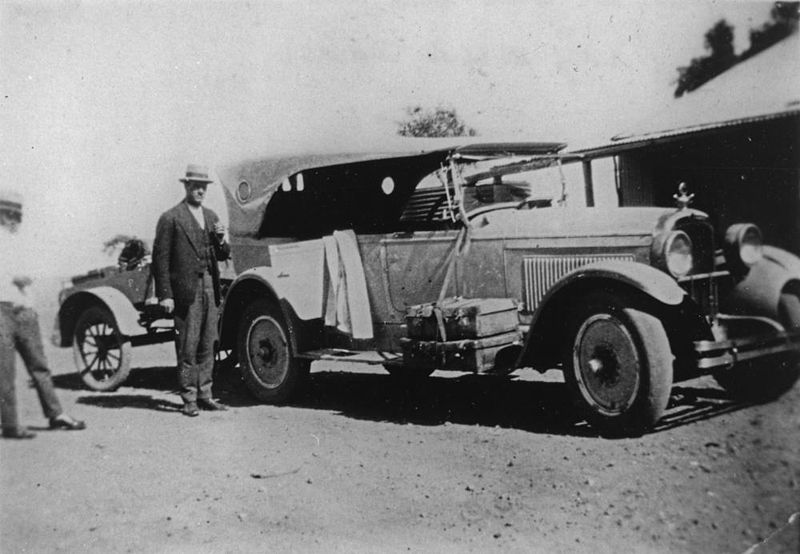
(347, 302)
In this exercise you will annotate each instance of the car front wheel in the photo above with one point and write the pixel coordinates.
(268, 368)
(618, 365)
(102, 354)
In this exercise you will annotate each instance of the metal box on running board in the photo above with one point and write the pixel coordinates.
(476, 355)
(462, 318)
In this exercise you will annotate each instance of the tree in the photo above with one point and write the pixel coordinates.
(117, 241)
(784, 22)
(719, 41)
(133, 250)
(440, 122)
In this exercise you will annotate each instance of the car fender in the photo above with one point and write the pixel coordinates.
(543, 339)
(758, 293)
(647, 279)
(262, 275)
(125, 314)
(253, 283)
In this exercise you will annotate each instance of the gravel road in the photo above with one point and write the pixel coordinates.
(456, 463)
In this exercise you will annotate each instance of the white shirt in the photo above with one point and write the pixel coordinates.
(12, 260)
(197, 212)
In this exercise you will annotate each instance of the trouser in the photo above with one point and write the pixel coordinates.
(19, 332)
(195, 333)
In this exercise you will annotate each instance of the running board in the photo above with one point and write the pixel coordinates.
(351, 356)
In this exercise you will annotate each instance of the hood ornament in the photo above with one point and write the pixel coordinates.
(683, 198)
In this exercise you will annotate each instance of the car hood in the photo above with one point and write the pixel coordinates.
(576, 222)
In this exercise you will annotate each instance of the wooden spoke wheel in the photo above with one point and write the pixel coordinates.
(102, 354)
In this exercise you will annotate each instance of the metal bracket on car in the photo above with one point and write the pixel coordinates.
(727, 353)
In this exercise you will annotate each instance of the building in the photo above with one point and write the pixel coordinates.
(735, 141)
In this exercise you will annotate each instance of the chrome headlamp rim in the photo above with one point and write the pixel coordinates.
(745, 243)
(678, 254)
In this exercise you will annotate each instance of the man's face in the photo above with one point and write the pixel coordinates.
(11, 220)
(195, 192)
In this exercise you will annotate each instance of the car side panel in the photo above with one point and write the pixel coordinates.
(416, 265)
(482, 271)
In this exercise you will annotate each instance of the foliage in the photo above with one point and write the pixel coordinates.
(719, 42)
(784, 22)
(116, 242)
(133, 250)
(440, 122)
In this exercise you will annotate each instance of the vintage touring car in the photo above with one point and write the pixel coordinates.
(453, 259)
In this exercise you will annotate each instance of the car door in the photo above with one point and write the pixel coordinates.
(415, 264)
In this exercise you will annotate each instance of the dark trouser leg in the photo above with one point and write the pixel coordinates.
(196, 332)
(8, 393)
(186, 339)
(208, 335)
(29, 346)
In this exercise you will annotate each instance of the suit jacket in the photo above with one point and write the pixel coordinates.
(178, 255)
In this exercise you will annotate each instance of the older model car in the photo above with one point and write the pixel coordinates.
(104, 313)
(453, 259)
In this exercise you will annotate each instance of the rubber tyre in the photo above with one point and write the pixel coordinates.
(267, 366)
(618, 366)
(101, 352)
(766, 379)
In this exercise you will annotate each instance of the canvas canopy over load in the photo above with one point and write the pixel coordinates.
(310, 196)
(463, 258)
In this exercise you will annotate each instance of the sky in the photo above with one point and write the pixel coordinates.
(103, 103)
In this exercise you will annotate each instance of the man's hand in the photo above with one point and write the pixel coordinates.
(168, 304)
(220, 230)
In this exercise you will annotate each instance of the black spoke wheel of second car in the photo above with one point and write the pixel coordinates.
(618, 365)
(102, 354)
(270, 371)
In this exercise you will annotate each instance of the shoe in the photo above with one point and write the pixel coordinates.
(18, 433)
(190, 409)
(211, 405)
(66, 423)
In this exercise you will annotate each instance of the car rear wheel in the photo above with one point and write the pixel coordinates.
(618, 365)
(102, 353)
(766, 379)
(268, 368)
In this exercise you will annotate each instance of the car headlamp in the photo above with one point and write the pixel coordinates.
(678, 254)
(744, 244)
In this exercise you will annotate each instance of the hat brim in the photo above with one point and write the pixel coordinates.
(196, 180)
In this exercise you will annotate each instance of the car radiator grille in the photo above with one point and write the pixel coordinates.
(540, 273)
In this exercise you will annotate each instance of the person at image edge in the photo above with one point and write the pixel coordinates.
(20, 331)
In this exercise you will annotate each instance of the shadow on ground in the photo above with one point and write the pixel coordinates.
(161, 379)
(689, 404)
(140, 401)
(533, 406)
(154, 378)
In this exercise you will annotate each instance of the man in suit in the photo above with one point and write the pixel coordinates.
(189, 242)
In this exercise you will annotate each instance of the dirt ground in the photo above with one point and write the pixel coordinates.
(360, 464)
